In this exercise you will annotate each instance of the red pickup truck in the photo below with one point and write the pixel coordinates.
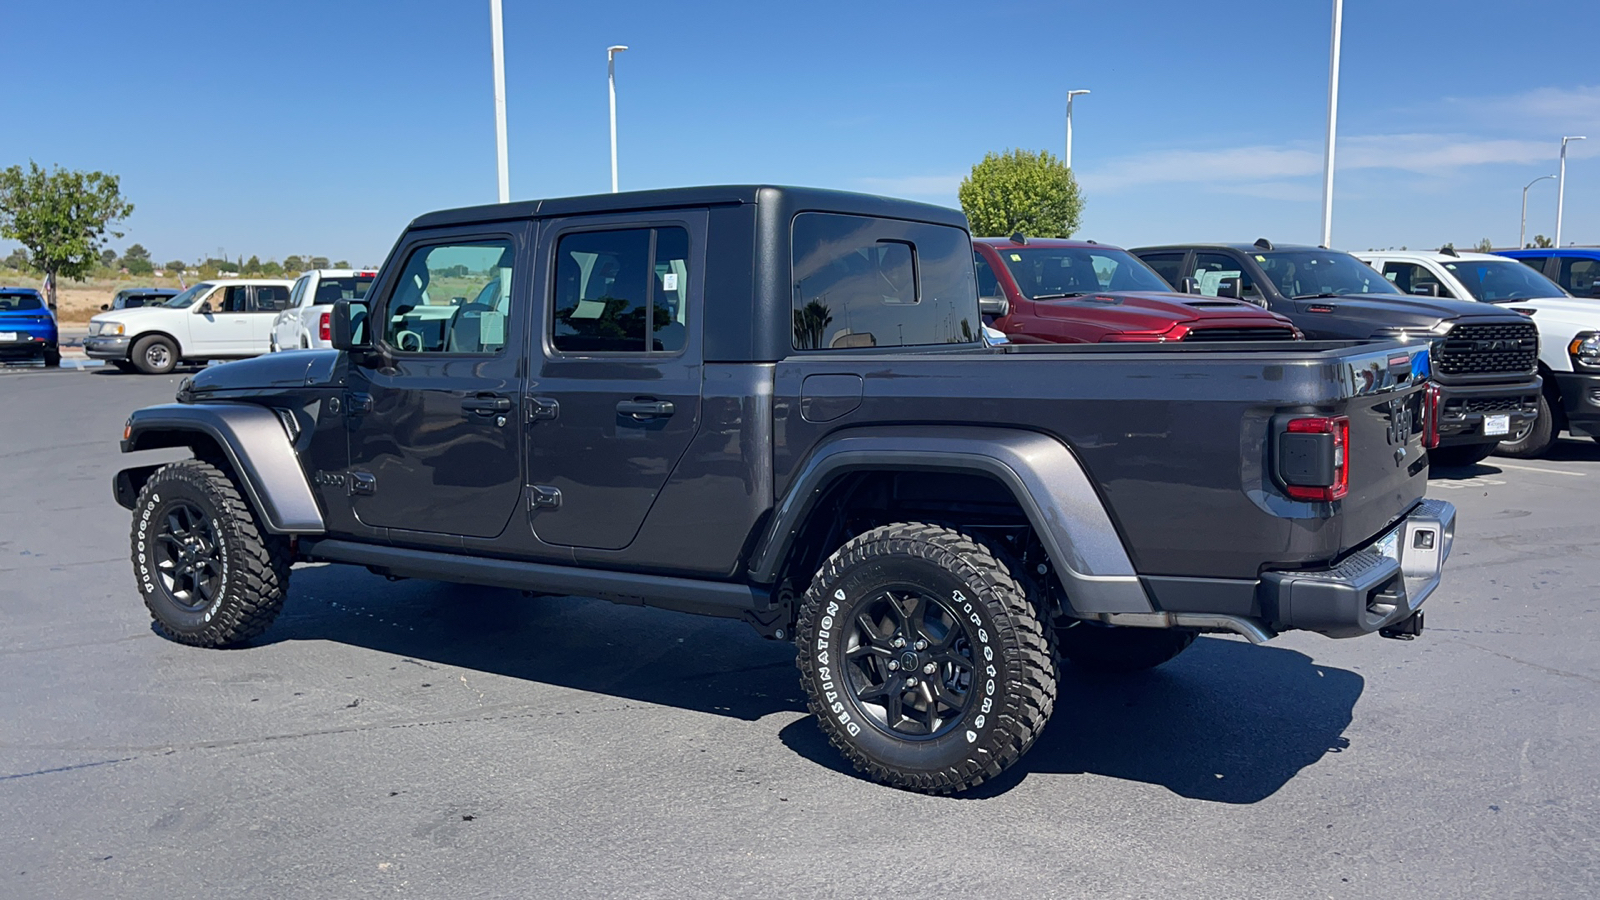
(1052, 291)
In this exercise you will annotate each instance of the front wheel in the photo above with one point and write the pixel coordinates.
(924, 659)
(1103, 648)
(1533, 440)
(209, 573)
(1460, 456)
(155, 355)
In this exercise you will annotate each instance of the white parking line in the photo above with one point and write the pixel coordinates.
(1506, 465)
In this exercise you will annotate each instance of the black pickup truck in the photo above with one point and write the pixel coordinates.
(1485, 359)
(774, 404)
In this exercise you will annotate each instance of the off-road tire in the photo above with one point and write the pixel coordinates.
(1540, 437)
(147, 355)
(254, 565)
(1460, 456)
(1101, 648)
(1013, 675)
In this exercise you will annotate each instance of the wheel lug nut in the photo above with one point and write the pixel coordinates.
(911, 682)
(928, 669)
(899, 642)
(893, 665)
(921, 645)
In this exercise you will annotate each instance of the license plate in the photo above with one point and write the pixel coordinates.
(1497, 424)
(8, 336)
(1389, 545)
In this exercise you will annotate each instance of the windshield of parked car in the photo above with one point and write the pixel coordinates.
(187, 298)
(1493, 281)
(332, 290)
(1044, 273)
(1306, 274)
(18, 302)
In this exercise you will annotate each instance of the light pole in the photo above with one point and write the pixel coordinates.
(500, 100)
(1070, 95)
(611, 84)
(1522, 233)
(1561, 183)
(1333, 121)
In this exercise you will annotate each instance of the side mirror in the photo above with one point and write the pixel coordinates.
(345, 331)
(104, 307)
(1426, 290)
(1187, 285)
(1594, 289)
(999, 307)
(1229, 287)
(205, 309)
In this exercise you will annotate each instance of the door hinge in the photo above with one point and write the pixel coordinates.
(358, 404)
(541, 409)
(543, 496)
(364, 483)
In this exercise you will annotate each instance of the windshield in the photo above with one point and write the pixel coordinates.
(1301, 274)
(19, 302)
(1045, 272)
(188, 297)
(1493, 281)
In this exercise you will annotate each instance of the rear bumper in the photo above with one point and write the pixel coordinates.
(27, 345)
(1462, 410)
(106, 347)
(1580, 401)
(1375, 587)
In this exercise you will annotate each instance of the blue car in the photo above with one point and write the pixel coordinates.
(1576, 269)
(27, 327)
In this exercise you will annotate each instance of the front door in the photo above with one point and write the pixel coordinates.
(615, 400)
(222, 325)
(433, 415)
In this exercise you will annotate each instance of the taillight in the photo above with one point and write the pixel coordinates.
(1314, 457)
(325, 327)
(1430, 416)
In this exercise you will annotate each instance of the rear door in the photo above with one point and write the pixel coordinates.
(434, 415)
(615, 399)
(284, 330)
(267, 300)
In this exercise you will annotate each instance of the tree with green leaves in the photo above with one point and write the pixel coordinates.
(252, 266)
(1542, 242)
(294, 264)
(1485, 246)
(108, 258)
(135, 251)
(18, 259)
(271, 268)
(320, 262)
(342, 264)
(61, 217)
(176, 266)
(1034, 193)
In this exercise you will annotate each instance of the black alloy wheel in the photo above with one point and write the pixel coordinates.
(910, 664)
(188, 556)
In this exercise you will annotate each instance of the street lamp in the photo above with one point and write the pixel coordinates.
(1070, 95)
(500, 100)
(1522, 233)
(611, 83)
(1333, 120)
(1561, 183)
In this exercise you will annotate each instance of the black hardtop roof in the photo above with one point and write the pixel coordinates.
(799, 199)
(1241, 246)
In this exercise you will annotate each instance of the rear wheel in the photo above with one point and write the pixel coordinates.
(155, 355)
(209, 573)
(1103, 648)
(52, 359)
(1461, 455)
(924, 659)
(1534, 439)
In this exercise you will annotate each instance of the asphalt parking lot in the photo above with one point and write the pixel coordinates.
(427, 740)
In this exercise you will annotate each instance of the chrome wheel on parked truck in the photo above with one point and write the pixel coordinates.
(924, 658)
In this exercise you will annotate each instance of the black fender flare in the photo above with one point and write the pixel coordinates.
(1043, 474)
(257, 445)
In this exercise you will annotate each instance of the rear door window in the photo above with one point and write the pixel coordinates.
(1581, 277)
(1168, 265)
(862, 282)
(988, 284)
(621, 291)
(1211, 268)
(1414, 279)
(271, 298)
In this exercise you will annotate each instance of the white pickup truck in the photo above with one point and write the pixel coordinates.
(304, 324)
(224, 319)
(1569, 351)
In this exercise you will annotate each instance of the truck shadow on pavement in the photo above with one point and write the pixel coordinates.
(1225, 722)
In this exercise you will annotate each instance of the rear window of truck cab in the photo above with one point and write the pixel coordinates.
(861, 281)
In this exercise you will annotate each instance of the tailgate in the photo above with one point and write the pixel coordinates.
(1388, 470)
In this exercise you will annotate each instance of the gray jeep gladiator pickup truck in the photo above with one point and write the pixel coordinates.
(775, 405)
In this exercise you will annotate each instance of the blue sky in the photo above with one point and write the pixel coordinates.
(316, 127)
